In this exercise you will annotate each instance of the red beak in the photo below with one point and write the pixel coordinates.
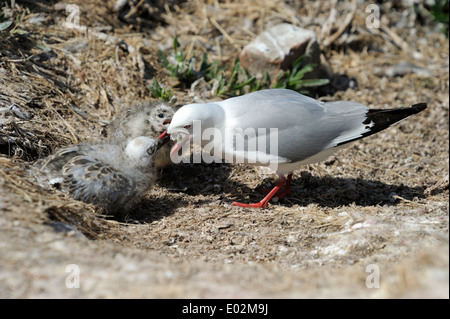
(163, 135)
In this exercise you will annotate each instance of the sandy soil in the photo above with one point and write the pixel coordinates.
(378, 207)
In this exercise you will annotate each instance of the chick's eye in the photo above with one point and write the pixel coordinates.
(151, 150)
(161, 115)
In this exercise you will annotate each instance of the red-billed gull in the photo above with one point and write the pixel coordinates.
(278, 128)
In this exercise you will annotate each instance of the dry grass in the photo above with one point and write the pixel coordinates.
(383, 200)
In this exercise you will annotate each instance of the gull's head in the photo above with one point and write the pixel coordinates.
(206, 115)
(184, 119)
(193, 119)
(140, 150)
(180, 128)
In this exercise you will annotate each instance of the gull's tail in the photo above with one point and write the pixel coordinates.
(382, 119)
(378, 120)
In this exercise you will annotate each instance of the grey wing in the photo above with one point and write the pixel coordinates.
(316, 131)
(49, 170)
(302, 126)
(91, 181)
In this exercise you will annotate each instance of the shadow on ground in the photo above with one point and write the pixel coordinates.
(326, 191)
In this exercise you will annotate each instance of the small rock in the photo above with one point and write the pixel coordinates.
(222, 224)
(330, 160)
(277, 49)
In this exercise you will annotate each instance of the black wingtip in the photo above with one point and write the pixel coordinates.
(382, 119)
(419, 107)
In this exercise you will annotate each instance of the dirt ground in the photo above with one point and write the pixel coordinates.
(378, 209)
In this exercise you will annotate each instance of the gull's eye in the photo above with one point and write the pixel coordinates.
(187, 126)
(161, 115)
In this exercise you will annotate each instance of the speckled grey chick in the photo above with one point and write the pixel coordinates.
(144, 119)
(111, 176)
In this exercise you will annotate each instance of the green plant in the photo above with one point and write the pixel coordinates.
(177, 64)
(6, 25)
(159, 92)
(293, 79)
(237, 81)
(11, 25)
(264, 83)
(208, 70)
(440, 13)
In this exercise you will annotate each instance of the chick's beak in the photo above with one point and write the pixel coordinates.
(163, 139)
(164, 135)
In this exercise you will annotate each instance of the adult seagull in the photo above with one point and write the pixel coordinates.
(305, 130)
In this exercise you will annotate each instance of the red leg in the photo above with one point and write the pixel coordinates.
(287, 188)
(282, 193)
(265, 200)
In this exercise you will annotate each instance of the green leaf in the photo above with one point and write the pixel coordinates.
(314, 82)
(298, 63)
(158, 92)
(162, 58)
(303, 71)
(5, 25)
(176, 44)
(248, 82)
